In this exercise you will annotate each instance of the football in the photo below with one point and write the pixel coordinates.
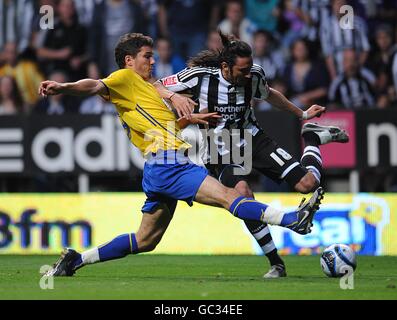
(337, 259)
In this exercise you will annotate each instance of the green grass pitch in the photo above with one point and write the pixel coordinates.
(184, 277)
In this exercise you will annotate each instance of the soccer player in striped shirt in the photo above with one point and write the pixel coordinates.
(226, 82)
(168, 174)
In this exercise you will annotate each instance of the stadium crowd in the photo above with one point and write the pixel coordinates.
(309, 49)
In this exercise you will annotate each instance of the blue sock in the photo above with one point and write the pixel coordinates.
(248, 209)
(119, 247)
(289, 219)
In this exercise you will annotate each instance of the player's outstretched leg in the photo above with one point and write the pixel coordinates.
(260, 231)
(326, 134)
(301, 220)
(315, 135)
(150, 232)
(70, 260)
(212, 192)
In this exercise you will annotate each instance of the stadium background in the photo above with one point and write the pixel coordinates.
(68, 176)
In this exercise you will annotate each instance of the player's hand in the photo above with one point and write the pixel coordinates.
(315, 111)
(184, 106)
(49, 88)
(205, 118)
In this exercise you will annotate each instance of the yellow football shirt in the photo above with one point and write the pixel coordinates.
(27, 77)
(150, 125)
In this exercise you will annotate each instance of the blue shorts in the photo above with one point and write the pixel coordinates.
(170, 176)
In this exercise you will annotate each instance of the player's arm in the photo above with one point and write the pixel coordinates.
(278, 100)
(85, 87)
(199, 118)
(183, 105)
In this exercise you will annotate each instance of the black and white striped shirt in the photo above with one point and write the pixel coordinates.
(334, 39)
(16, 18)
(215, 94)
(317, 10)
(353, 93)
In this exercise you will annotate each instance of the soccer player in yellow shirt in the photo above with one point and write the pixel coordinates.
(168, 174)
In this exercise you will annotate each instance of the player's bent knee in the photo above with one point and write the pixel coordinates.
(243, 189)
(148, 245)
(307, 184)
(230, 195)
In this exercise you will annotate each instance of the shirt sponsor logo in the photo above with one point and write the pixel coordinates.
(170, 81)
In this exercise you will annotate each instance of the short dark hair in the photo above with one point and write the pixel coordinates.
(130, 44)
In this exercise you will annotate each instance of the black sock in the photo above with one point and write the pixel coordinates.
(274, 258)
(311, 158)
(261, 233)
(311, 139)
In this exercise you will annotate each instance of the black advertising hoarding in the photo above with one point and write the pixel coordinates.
(13, 147)
(95, 144)
(376, 138)
(66, 144)
(98, 144)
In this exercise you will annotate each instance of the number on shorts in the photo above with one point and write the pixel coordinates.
(286, 156)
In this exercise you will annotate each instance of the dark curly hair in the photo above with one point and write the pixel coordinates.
(232, 48)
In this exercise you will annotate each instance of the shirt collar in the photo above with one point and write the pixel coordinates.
(223, 80)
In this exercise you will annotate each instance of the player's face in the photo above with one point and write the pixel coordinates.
(143, 62)
(240, 74)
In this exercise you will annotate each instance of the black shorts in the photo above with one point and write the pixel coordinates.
(268, 158)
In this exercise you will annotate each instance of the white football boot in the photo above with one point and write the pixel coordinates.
(276, 271)
(326, 134)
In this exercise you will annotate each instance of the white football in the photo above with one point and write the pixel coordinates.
(337, 260)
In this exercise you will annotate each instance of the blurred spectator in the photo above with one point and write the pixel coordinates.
(85, 11)
(186, 23)
(334, 39)
(354, 88)
(25, 73)
(263, 13)
(295, 24)
(312, 12)
(151, 10)
(380, 12)
(235, 23)
(96, 104)
(112, 19)
(379, 62)
(10, 98)
(167, 62)
(214, 41)
(58, 104)
(16, 19)
(305, 79)
(267, 55)
(64, 47)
